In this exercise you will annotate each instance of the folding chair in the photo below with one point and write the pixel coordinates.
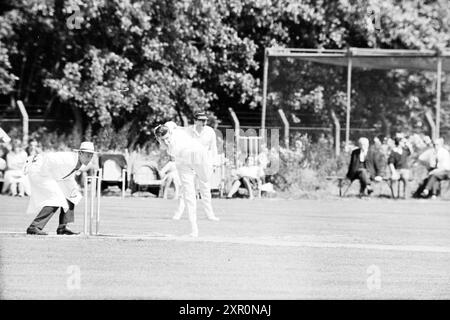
(146, 177)
(387, 180)
(113, 171)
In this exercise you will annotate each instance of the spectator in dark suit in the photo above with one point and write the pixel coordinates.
(364, 166)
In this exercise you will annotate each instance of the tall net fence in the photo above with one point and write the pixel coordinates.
(383, 102)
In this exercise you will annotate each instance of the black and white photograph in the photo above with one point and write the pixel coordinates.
(224, 150)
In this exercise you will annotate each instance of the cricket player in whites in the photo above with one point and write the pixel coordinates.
(53, 186)
(207, 137)
(191, 160)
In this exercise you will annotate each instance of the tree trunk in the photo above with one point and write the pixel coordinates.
(78, 125)
(386, 126)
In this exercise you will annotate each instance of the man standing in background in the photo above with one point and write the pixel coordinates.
(207, 137)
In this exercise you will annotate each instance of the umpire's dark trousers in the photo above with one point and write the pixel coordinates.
(46, 214)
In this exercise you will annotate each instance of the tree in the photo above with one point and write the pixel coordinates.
(144, 62)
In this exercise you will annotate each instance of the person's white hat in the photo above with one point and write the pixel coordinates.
(171, 125)
(438, 141)
(86, 146)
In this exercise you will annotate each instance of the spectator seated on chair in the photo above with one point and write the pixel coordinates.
(365, 166)
(145, 176)
(398, 162)
(15, 180)
(439, 161)
(170, 177)
(247, 176)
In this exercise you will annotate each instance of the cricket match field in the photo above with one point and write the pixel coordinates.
(262, 249)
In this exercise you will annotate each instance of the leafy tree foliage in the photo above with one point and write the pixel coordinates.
(143, 62)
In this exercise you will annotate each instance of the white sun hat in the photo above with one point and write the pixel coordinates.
(86, 146)
(171, 125)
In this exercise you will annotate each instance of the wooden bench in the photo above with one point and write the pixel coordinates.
(341, 180)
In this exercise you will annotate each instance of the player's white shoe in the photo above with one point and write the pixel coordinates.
(194, 233)
(176, 216)
(213, 218)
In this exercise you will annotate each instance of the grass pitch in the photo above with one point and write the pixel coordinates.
(263, 249)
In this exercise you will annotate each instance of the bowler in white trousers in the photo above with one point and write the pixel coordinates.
(207, 137)
(191, 160)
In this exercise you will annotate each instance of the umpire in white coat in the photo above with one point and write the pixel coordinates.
(191, 160)
(53, 187)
